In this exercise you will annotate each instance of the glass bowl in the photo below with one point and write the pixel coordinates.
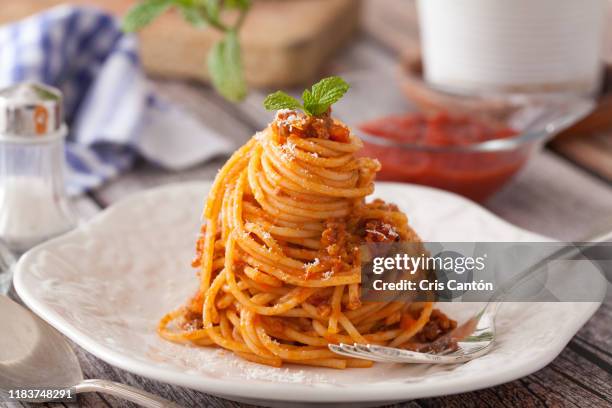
(475, 170)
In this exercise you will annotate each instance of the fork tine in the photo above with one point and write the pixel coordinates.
(366, 349)
(336, 348)
(407, 356)
(358, 351)
(394, 355)
(446, 352)
(349, 350)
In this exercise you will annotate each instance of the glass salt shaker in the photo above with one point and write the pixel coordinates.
(33, 202)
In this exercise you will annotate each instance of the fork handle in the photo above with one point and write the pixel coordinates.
(565, 252)
(135, 395)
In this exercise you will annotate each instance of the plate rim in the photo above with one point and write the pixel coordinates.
(273, 391)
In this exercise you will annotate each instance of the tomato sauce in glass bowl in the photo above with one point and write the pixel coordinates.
(462, 154)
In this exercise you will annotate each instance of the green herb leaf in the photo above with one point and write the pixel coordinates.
(212, 10)
(280, 100)
(192, 15)
(143, 13)
(238, 4)
(224, 59)
(324, 94)
(316, 100)
(225, 68)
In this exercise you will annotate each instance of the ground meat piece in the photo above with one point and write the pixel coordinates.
(339, 133)
(191, 321)
(430, 332)
(338, 251)
(334, 237)
(438, 325)
(379, 231)
(290, 122)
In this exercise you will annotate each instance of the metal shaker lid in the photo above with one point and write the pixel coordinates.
(30, 110)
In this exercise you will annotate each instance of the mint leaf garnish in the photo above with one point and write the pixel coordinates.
(280, 100)
(324, 94)
(316, 100)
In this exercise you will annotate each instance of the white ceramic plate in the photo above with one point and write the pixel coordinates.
(106, 284)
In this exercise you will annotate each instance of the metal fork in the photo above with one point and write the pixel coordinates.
(472, 339)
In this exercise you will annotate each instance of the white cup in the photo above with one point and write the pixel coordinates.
(514, 46)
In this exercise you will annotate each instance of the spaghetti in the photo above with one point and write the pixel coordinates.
(279, 259)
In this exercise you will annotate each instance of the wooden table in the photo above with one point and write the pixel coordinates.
(552, 196)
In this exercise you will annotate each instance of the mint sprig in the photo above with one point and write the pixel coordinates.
(315, 101)
(225, 67)
(142, 14)
(224, 60)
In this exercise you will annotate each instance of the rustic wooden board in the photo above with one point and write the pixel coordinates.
(555, 198)
(284, 42)
(592, 151)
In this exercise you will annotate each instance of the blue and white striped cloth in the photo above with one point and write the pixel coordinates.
(111, 110)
